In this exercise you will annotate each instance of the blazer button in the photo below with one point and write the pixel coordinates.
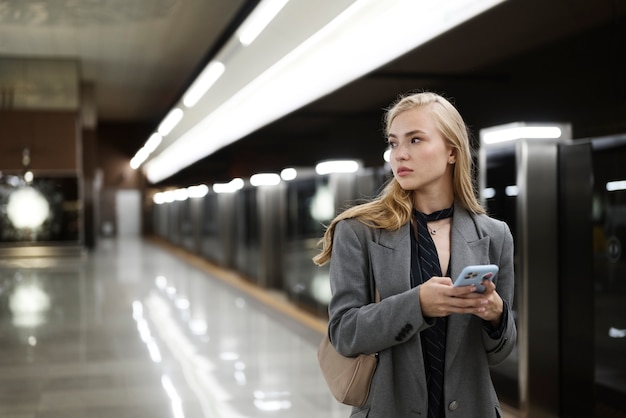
(453, 405)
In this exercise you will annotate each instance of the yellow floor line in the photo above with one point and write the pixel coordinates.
(238, 281)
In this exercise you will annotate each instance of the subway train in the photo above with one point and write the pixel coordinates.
(564, 200)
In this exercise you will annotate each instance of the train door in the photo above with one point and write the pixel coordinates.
(519, 184)
(607, 289)
(565, 202)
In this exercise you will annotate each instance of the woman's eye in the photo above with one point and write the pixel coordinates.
(391, 144)
(415, 140)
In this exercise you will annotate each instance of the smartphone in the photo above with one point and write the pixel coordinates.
(475, 275)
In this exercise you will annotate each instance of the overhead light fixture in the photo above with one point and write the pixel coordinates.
(171, 120)
(153, 142)
(142, 155)
(614, 186)
(230, 187)
(354, 43)
(516, 131)
(258, 20)
(181, 195)
(339, 166)
(196, 192)
(265, 179)
(289, 174)
(203, 83)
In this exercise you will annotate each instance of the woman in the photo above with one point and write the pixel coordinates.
(435, 342)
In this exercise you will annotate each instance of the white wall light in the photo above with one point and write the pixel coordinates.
(196, 192)
(289, 174)
(387, 155)
(517, 131)
(158, 198)
(511, 191)
(338, 166)
(265, 179)
(230, 187)
(203, 83)
(181, 195)
(27, 208)
(258, 20)
(488, 193)
(170, 121)
(613, 186)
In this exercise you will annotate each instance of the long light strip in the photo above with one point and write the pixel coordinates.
(338, 166)
(171, 120)
(262, 15)
(265, 179)
(203, 83)
(614, 186)
(520, 132)
(365, 36)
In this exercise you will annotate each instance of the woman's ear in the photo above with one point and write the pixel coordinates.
(452, 156)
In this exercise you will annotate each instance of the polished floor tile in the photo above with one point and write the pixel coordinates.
(131, 330)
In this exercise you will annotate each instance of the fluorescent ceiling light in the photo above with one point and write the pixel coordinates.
(230, 187)
(259, 19)
(339, 166)
(170, 121)
(203, 83)
(196, 192)
(158, 198)
(181, 195)
(516, 131)
(289, 174)
(613, 186)
(153, 142)
(365, 36)
(265, 179)
(140, 157)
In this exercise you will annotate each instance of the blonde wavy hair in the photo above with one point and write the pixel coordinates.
(393, 207)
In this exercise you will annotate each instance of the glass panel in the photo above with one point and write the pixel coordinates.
(609, 237)
(248, 232)
(310, 207)
(501, 203)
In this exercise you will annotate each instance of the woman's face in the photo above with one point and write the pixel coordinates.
(420, 158)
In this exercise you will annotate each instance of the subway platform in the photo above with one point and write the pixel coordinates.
(140, 329)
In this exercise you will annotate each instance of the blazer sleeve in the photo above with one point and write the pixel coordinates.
(357, 324)
(501, 253)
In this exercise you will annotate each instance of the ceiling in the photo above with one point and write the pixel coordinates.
(532, 60)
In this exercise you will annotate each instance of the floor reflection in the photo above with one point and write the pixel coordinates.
(130, 330)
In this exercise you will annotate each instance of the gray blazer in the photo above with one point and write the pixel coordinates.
(362, 256)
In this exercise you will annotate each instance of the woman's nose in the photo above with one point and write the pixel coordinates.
(401, 153)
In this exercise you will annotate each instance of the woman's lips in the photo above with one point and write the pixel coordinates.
(403, 171)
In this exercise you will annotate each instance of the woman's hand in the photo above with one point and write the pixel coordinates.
(439, 298)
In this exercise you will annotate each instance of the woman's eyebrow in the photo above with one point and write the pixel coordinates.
(410, 133)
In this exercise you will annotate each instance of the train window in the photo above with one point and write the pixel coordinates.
(609, 237)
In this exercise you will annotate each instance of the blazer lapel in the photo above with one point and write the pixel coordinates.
(390, 260)
(467, 248)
